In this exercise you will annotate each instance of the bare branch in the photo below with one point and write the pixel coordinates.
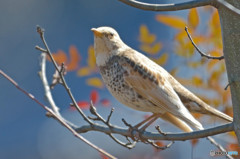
(109, 116)
(98, 117)
(47, 90)
(128, 145)
(41, 33)
(160, 131)
(40, 49)
(168, 7)
(160, 147)
(219, 146)
(199, 51)
(60, 120)
(156, 136)
(228, 6)
(43, 77)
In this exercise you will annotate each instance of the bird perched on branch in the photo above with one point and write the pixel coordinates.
(139, 83)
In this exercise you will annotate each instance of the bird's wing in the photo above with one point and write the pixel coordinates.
(151, 84)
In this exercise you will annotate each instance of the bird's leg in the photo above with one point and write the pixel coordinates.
(148, 123)
(144, 121)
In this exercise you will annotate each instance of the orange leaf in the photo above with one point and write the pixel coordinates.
(94, 96)
(174, 71)
(95, 82)
(181, 35)
(193, 18)
(60, 57)
(215, 29)
(194, 142)
(211, 64)
(162, 60)
(233, 147)
(159, 143)
(145, 36)
(84, 71)
(214, 21)
(91, 58)
(228, 111)
(184, 49)
(214, 77)
(197, 81)
(74, 58)
(232, 133)
(194, 64)
(103, 156)
(81, 104)
(197, 115)
(151, 49)
(172, 21)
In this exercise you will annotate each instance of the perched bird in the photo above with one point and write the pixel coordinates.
(138, 82)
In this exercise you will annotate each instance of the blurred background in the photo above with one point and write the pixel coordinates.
(26, 132)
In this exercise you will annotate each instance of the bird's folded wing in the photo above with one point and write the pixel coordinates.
(160, 93)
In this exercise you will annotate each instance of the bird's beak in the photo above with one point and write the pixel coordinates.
(96, 32)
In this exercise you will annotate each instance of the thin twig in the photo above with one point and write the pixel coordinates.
(40, 49)
(160, 131)
(43, 77)
(109, 116)
(98, 117)
(199, 51)
(168, 7)
(160, 147)
(128, 145)
(55, 115)
(228, 85)
(218, 146)
(41, 33)
(48, 94)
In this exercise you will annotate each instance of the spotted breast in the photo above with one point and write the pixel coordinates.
(114, 73)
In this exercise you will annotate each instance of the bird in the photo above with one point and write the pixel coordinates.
(139, 83)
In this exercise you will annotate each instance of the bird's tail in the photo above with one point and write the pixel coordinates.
(177, 122)
(215, 112)
(193, 103)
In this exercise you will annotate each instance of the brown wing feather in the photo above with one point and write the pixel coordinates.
(159, 91)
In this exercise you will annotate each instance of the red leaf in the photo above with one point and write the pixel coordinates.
(105, 102)
(233, 147)
(94, 96)
(103, 156)
(194, 142)
(83, 104)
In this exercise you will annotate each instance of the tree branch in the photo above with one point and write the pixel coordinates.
(41, 33)
(168, 7)
(199, 51)
(219, 146)
(156, 136)
(43, 77)
(55, 116)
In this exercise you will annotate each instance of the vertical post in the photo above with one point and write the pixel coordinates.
(230, 26)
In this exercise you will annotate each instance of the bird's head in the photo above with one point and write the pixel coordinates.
(106, 43)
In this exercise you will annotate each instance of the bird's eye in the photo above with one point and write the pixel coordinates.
(110, 35)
